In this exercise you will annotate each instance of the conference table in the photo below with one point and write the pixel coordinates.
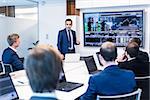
(74, 72)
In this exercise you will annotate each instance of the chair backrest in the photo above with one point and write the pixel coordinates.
(2, 68)
(143, 83)
(135, 95)
(22, 59)
(90, 63)
(8, 68)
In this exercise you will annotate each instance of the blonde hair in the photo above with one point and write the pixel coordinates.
(11, 39)
(50, 47)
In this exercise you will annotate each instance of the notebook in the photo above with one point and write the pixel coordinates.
(63, 85)
(91, 65)
(7, 89)
(72, 57)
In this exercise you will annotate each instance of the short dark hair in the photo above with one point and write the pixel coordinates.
(110, 39)
(11, 39)
(132, 49)
(108, 51)
(68, 20)
(43, 69)
(137, 40)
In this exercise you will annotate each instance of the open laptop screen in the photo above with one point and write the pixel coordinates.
(7, 89)
(90, 63)
(64, 85)
(2, 69)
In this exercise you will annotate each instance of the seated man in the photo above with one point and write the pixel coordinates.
(112, 80)
(133, 62)
(143, 56)
(43, 68)
(9, 55)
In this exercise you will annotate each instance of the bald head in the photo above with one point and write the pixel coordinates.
(107, 45)
(108, 51)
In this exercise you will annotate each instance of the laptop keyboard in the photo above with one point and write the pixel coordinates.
(68, 86)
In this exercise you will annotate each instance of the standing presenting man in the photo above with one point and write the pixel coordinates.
(67, 39)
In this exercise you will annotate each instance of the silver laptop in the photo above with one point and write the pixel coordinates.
(72, 57)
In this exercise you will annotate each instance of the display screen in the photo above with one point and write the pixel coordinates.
(117, 27)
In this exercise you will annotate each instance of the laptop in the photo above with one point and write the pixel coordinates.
(97, 54)
(2, 68)
(7, 88)
(72, 57)
(91, 65)
(63, 85)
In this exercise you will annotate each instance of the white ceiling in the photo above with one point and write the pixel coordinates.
(17, 2)
(23, 2)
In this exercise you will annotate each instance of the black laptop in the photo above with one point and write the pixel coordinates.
(63, 85)
(7, 89)
(91, 65)
(2, 69)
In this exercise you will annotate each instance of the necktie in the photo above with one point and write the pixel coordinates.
(69, 38)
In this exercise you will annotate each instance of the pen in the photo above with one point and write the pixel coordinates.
(21, 82)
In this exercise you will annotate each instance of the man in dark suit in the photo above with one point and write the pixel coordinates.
(137, 65)
(67, 39)
(112, 80)
(9, 55)
(141, 54)
(42, 66)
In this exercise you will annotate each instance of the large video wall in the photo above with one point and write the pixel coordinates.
(118, 27)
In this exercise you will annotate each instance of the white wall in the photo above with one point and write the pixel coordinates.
(52, 17)
(100, 3)
(26, 12)
(109, 3)
(27, 29)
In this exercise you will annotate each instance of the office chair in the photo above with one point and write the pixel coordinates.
(2, 68)
(8, 68)
(143, 83)
(135, 95)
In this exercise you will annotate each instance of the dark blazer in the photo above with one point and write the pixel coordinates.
(63, 43)
(111, 81)
(10, 57)
(139, 67)
(143, 56)
(42, 98)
